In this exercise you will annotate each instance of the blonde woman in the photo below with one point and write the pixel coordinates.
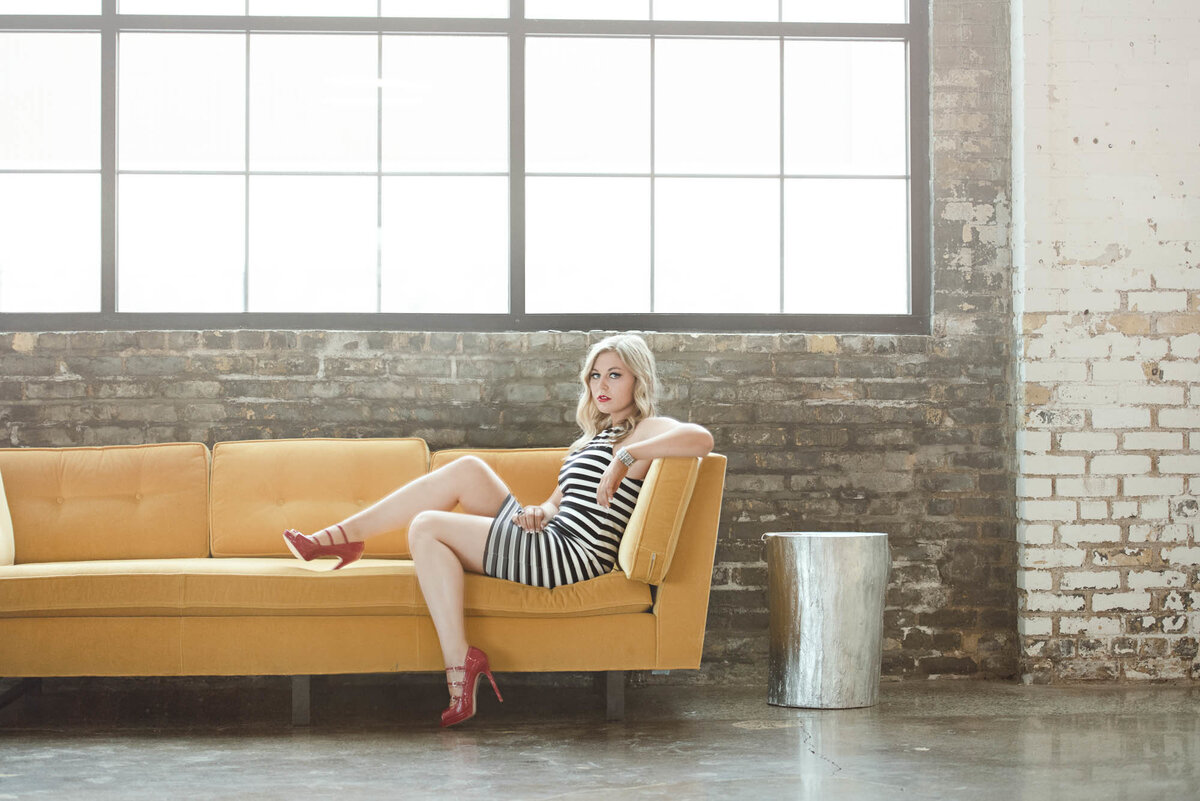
(573, 536)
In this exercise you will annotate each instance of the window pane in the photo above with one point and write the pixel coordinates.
(587, 9)
(445, 8)
(49, 243)
(50, 85)
(445, 244)
(313, 243)
(858, 11)
(229, 7)
(716, 245)
(182, 243)
(587, 245)
(844, 108)
(717, 106)
(718, 10)
(314, 8)
(49, 6)
(445, 103)
(313, 102)
(587, 105)
(823, 275)
(183, 101)
(319, 8)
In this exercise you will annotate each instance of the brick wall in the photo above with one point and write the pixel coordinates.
(1108, 332)
(911, 435)
(898, 434)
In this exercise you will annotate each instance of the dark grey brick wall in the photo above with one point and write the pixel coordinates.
(911, 435)
(899, 434)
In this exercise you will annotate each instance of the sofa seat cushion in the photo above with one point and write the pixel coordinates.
(258, 586)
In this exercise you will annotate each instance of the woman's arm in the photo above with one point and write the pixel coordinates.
(661, 436)
(654, 438)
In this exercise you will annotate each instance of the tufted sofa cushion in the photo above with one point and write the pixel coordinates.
(261, 487)
(117, 502)
(531, 474)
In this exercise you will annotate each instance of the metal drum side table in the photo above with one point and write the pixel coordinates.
(826, 595)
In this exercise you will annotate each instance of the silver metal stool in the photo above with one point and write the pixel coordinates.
(826, 594)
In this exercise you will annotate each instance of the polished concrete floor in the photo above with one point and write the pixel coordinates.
(231, 739)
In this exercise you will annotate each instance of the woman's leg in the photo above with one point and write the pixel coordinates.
(467, 481)
(444, 546)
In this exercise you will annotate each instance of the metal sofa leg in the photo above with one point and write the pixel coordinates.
(301, 700)
(614, 694)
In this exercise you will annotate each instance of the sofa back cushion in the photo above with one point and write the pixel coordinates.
(653, 531)
(117, 502)
(262, 487)
(7, 549)
(531, 474)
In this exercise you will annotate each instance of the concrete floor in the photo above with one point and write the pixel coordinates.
(230, 739)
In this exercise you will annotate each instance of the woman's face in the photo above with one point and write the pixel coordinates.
(611, 384)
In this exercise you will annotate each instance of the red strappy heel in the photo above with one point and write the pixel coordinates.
(308, 549)
(463, 707)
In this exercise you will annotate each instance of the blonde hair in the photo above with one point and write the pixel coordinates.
(636, 354)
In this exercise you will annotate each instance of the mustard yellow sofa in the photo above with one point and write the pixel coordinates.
(167, 560)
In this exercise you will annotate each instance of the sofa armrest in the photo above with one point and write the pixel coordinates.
(681, 600)
(648, 544)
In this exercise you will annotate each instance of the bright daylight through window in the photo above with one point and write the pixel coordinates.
(469, 164)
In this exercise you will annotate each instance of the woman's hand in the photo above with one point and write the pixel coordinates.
(610, 481)
(531, 518)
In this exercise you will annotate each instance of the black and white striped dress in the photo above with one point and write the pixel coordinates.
(578, 543)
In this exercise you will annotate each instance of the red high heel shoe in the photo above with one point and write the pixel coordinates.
(308, 549)
(463, 707)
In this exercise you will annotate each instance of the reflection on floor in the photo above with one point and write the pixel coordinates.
(231, 739)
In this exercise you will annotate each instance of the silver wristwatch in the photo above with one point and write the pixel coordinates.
(626, 457)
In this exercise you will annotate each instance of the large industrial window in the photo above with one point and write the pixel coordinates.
(707, 165)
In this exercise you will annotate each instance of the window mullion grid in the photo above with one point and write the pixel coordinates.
(518, 30)
(379, 172)
(782, 183)
(908, 167)
(246, 185)
(915, 39)
(108, 157)
(653, 177)
(920, 264)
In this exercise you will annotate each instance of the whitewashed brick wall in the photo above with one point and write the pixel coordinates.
(1106, 110)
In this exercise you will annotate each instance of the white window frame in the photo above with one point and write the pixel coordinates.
(109, 24)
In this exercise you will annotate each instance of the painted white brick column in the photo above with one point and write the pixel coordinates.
(1107, 299)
